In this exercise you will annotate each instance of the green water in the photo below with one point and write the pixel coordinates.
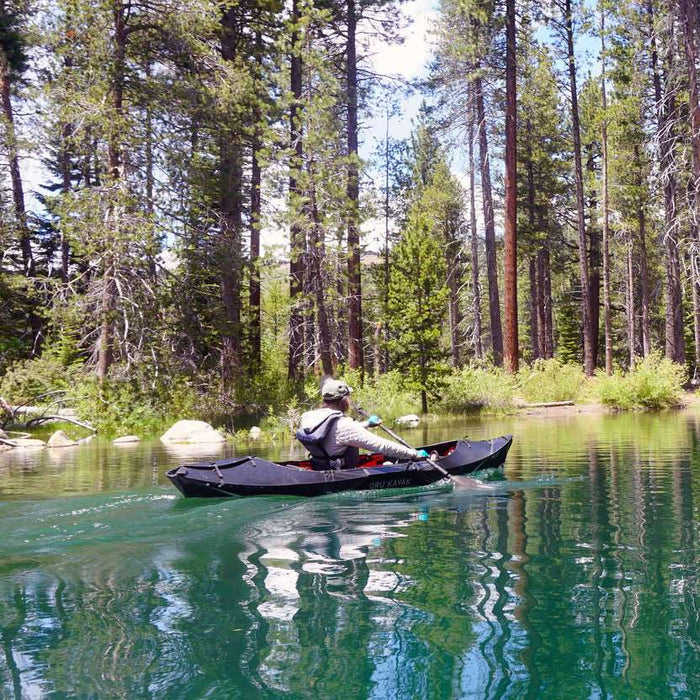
(576, 576)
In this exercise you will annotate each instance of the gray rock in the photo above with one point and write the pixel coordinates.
(29, 443)
(191, 432)
(126, 440)
(410, 420)
(60, 439)
(255, 433)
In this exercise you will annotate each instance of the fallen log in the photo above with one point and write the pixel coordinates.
(43, 419)
(547, 404)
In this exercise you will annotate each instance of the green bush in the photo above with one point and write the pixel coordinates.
(550, 380)
(27, 379)
(382, 395)
(134, 405)
(655, 383)
(475, 388)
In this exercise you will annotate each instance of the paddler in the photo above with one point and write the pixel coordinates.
(334, 439)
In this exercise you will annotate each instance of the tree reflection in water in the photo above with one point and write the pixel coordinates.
(573, 581)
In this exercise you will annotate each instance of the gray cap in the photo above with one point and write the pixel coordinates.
(334, 389)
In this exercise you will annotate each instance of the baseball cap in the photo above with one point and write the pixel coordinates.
(334, 389)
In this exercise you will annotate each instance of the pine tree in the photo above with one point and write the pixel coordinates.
(417, 299)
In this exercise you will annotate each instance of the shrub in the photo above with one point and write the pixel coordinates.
(550, 380)
(132, 405)
(382, 395)
(27, 379)
(385, 396)
(475, 388)
(655, 383)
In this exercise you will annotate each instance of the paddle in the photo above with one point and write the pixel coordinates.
(390, 432)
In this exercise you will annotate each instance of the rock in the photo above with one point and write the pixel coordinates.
(3, 434)
(86, 440)
(126, 440)
(255, 433)
(29, 443)
(191, 432)
(408, 421)
(60, 439)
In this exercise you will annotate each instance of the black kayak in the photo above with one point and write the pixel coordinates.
(253, 476)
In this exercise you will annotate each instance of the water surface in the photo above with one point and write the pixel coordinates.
(576, 575)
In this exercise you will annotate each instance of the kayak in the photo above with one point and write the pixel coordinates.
(254, 476)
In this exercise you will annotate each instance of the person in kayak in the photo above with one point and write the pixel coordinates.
(334, 439)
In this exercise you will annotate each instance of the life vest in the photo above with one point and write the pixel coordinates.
(313, 440)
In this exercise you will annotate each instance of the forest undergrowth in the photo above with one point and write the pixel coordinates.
(148, 405)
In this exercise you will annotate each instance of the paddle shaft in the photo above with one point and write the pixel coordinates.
(390, 432)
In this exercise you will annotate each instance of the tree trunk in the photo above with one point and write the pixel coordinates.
(545, 286)
(355, 350)
(65, 188)
(535, 291)
(20, 213)
(114, 162)
(230, 229)
(594, 259)
(606, 209)
(230, 255)
(534, 319)
(296, 229)
(383, 329)
(453, 263)
(542, 305)
(588, 336)
(255, 212)
(455, 317)
(631, 339)
(511, 204)
(476, 288)
(643, 263)
(489, 225)
(690, 19)
(665, 105)
(316, 255)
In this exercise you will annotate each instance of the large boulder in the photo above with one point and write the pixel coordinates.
(191, 432)
(126, 440)
(409, 421)
(60, 439)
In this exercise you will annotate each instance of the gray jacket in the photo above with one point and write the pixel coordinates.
(349, 433)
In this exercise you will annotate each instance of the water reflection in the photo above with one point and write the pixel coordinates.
(575, 578)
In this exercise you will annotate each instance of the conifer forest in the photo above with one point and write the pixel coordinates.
(194, 211)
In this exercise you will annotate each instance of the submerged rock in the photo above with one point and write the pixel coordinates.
(60, 439)
(409, 421)
(191, 432)
(126, 440)
(29, 443)
(255, 433)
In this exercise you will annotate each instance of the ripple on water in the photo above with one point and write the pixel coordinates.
(574, 576)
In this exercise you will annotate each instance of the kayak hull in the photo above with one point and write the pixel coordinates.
(253, 476)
